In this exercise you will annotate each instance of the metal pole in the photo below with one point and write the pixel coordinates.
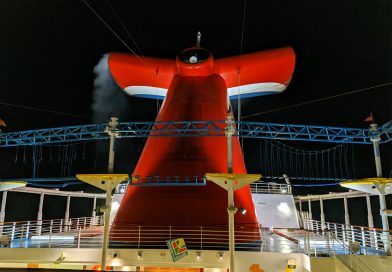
(322, 216)
(67, 212)
(346, 215)
(230, 130)
(94, 213)
(106, 225)
(384, 217)
(39, 214)
(2, 210)
(376, 148)
(310, 208)
(300, 207)
(111, 130)
(381, 188)
(231, 210)
(369, 210)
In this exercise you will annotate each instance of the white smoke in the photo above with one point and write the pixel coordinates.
(108, 99)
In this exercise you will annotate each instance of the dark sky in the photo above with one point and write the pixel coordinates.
(49, 48)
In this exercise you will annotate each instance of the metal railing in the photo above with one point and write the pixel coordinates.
(24, 232)
(270, 188)
(371, 240)
(351, 259)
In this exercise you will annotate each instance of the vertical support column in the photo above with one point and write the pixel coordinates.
(66, 217)
(369, 211)
(346, 214)
(3, 204)
(230, 130)
(310, 208)
(39, 214)
(105, 242)
(376, 148)
(322, 216)
(381, 188)
(384, 217)
(300, 206)
(111, 129)
(94, 213)
(2, 210)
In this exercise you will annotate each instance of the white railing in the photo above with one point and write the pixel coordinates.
(351, 259)
(368, 238)
(25, 231)
(270, 188)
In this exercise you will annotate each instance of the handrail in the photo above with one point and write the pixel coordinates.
(367, 237)
(359, 261)
(270, 188)
(43, 220)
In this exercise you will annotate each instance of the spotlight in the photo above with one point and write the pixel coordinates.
(140, 254)
(198, 255)
(242, 211)
(220, 255)
(163, 255)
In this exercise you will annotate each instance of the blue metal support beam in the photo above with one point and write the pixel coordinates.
(197, 128)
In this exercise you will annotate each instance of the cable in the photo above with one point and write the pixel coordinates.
(114, 33)
(317, 100)
(239, 71)
(124, 27)
(41, 109)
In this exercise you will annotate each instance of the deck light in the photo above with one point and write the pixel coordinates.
(242, 211)
(140, 254)
(198, 255)
(220, 255)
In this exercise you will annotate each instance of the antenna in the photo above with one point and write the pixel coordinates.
(198, 39)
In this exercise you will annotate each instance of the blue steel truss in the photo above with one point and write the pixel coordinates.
(197, 128)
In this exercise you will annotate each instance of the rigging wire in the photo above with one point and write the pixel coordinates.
(239, 118)
(124, 27)
(42, 109)
(114, 33)
(317, 100)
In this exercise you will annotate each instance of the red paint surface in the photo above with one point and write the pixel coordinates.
(193, 94)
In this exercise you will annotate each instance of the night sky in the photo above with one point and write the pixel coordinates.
(49, 50)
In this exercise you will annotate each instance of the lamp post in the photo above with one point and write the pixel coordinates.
(106, 182)
(231, 182)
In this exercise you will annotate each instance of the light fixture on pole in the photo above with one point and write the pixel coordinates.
(232, 182)
(106, 182)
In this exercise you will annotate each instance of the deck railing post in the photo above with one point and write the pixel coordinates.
(21, 236)
(375, 239)
(13, 231)
(27, 229)
(84, 222)
(79, 236)
(363, 239)
(352, 234)
(50, 233)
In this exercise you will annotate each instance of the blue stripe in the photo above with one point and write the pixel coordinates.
(149, 96)
(249, 95)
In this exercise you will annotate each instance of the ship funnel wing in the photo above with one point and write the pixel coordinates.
(257, 74)
(149, 78)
